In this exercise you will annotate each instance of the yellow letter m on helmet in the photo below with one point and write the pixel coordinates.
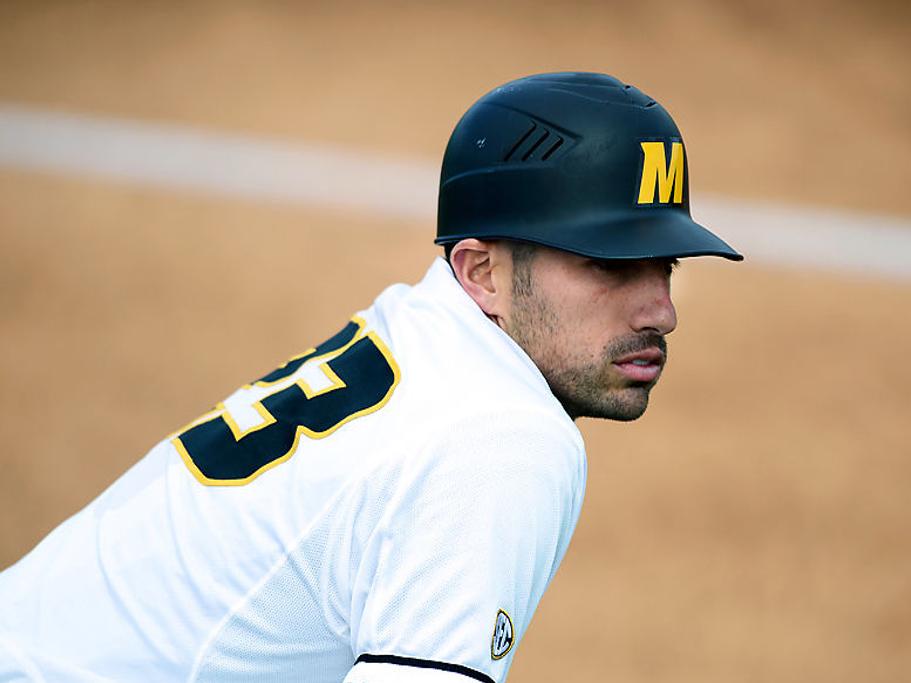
(657, 172)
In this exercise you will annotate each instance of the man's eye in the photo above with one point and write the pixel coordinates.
(614, 267)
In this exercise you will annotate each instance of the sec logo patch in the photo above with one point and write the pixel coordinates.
(503, 636)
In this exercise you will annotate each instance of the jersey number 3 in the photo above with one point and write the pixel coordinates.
(259, 426)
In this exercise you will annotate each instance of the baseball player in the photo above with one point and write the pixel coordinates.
(391, 504)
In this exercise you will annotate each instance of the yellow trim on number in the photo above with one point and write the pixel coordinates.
(222, 411)
(301, 429)
(236, 430)
(358, 333)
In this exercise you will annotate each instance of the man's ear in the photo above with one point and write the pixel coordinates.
(484, 270)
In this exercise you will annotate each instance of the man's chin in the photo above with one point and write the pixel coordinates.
(627, 408)
(622, 405)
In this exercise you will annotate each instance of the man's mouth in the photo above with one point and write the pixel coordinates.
(641, 366)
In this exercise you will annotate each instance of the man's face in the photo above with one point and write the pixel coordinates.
(595, 329)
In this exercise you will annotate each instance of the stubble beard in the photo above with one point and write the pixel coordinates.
(584, 388)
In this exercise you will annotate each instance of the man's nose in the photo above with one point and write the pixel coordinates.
(656, 310)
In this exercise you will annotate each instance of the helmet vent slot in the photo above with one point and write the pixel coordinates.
(520, 142)
(537, 139)
(535, 146)
(553, 148)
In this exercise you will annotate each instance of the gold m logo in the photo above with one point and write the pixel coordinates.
(658, 173)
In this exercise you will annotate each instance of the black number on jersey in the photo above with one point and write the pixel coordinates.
(360, 376)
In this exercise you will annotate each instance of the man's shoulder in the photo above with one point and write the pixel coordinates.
(501, 444)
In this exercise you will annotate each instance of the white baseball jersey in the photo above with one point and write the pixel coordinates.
(388, 506)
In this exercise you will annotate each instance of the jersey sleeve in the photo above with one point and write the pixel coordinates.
(465, 551)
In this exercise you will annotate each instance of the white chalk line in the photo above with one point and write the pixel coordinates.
(226, 165)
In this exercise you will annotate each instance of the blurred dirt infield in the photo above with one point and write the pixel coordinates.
(753, 526)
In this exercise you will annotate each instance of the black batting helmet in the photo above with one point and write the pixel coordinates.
(576, 161)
